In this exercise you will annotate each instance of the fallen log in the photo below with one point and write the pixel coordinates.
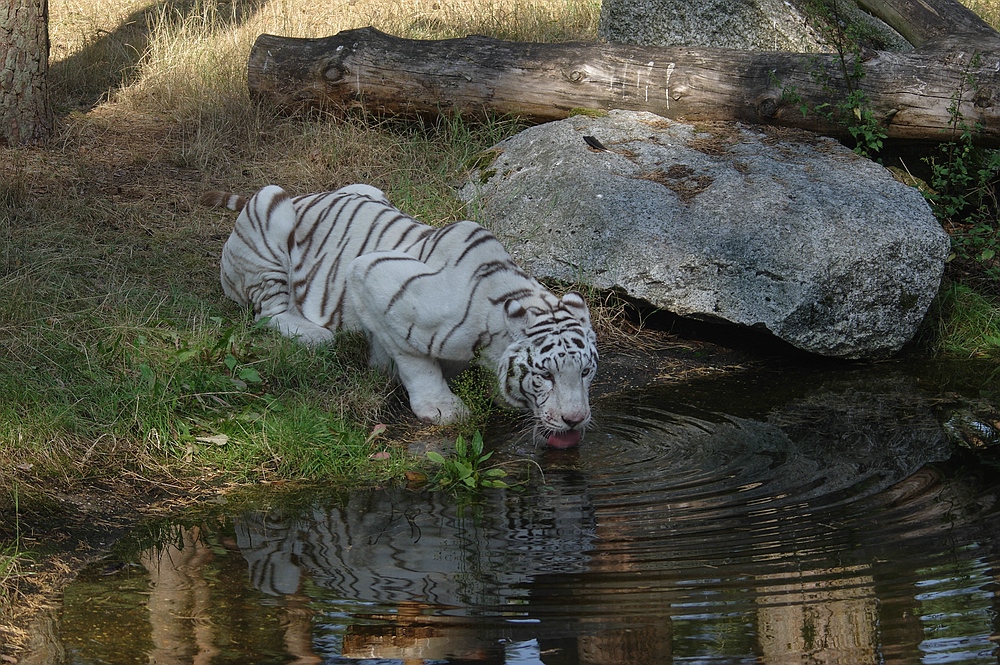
(913, 95)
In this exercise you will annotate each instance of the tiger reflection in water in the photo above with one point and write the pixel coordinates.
(378, 548)
(418, 563)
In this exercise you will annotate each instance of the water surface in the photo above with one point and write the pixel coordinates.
(821, 516)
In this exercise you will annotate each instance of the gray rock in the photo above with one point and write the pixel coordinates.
(761, 25)
(775, 229)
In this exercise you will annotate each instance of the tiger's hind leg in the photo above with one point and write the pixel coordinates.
(397, 328)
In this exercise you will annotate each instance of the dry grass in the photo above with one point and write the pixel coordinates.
(989, 10)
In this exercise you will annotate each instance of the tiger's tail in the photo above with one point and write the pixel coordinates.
(220, 199)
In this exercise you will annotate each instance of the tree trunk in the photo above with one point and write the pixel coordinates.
(911, 95)
(25, 115)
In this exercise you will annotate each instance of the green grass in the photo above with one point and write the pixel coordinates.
(155, 382)
(968, 323)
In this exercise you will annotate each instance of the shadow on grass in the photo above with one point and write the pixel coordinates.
(112, 59)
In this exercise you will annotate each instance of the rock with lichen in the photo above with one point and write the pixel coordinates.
(775, 229)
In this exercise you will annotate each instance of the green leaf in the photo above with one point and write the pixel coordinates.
(148, 375)
(231, 361)
(435, 457)
(225, 338)
(185, 355)
(250, 375)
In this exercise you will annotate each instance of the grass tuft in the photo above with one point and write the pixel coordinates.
(968, 323)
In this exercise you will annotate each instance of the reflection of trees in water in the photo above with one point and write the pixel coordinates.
(818, 616)
(192, 618)
(179, 601)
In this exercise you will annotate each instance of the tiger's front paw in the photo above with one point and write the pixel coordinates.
(445, 411)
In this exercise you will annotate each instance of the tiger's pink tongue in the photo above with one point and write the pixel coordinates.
(566, 439)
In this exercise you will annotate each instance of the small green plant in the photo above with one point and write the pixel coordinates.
(854, 110)
(866, 130)
(466, 470)
(963, 189)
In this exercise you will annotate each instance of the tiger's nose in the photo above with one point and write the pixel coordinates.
(574, 419)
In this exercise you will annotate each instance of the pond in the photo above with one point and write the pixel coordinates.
(815, 515)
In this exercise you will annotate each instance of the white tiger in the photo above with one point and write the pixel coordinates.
(430, 300)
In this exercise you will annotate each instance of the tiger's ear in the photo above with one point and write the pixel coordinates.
(513, 309)
(516, 315)
(577, 306)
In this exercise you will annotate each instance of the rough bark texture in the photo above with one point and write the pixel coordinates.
(912, 94)
(25, 116)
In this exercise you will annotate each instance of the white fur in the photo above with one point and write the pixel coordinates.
(431, 302)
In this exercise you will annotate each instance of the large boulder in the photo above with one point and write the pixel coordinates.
(771, 228)
(760, 25)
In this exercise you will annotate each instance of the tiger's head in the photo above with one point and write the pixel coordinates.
(550, 364)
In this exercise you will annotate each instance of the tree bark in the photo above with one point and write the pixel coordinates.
(25, 114)
(913, 95)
